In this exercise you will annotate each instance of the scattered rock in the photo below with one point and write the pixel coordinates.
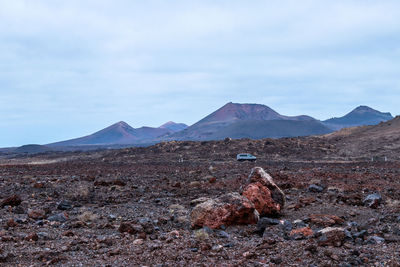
(373, 200)
(331, 236)
(375, 240)
(36, 214)
(32, 237)
(197, 201)
(60, 217)
(286, 226)
(64, 205)
(226, 210)
(223, 234)
(263, 223)
(130, 228)
(147, 225)
(315, 188)
(325, 220)
(13, 200)
(301, 233)
(11, 223)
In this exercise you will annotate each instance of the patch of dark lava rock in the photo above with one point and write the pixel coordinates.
(133, 207)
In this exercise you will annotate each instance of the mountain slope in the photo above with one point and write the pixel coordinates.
(214, 125)
(271, 129)
(118, 133)
(366, 141)
(360, 116)
(175, 127)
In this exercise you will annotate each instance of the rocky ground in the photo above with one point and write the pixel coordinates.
(132, 207)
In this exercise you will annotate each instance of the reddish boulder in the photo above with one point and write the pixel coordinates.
(261, 197)
(267, 197)
(259, 175)
(226, 210)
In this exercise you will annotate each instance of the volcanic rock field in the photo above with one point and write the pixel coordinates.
(134, 206)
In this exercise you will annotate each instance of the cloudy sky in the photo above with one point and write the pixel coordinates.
(69, 68)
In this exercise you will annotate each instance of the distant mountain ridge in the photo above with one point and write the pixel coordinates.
(119, 133)
(360, 116)
(233, 120)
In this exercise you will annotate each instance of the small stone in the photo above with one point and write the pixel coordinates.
(301, 233)
(130, 228)
(375, 240)
(32, 237)
(276, 260)
(360, 234)
(43, 235)
(217, 248)
(373, 200)
(299, 224)
(147, 225)
(223, 234)
(13, 200)
(60, 217)
(331, 236)
(11, 223)
(138, 242)
(212, 180)
(325, 220)
(36, 214)
(194, 249)
(315, 188)
(286, 225)
(64, 205)
(263, 223)
(197, 201)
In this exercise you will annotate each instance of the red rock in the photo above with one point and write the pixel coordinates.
(261, 197)
(325, 220)
(259, 175)
(33, 237)
(13, 200)
(226, 210)
(36, 214)
(301, 233)
(68, 233)
(212, 180)
(11, 223)
(331, 236)
(38, 185)
(130, 228)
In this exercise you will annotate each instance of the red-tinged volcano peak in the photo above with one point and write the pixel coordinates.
(231, 112)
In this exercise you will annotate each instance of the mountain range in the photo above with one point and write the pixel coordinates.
(232, 120)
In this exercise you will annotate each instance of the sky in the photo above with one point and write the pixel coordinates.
(70, 68)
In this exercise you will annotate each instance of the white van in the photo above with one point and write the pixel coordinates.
(245, 156)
